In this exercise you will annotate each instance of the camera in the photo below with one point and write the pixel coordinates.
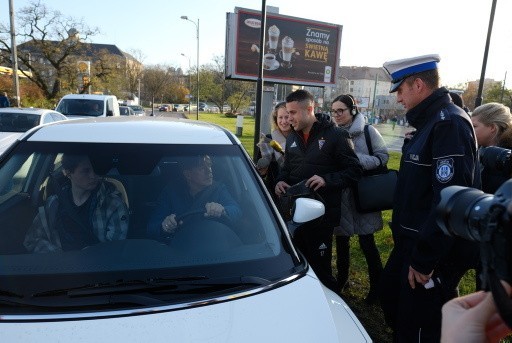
(477, 216)
(496, 158)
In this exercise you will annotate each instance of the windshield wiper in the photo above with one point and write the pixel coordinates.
(181, 284)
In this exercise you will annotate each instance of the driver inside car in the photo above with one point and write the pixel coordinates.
(85, 211)
(199, 195)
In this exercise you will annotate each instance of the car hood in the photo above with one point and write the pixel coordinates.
(7, 138)
(301, 311)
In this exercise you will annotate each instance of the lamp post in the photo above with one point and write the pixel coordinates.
(189, 82)
(184, 17)
(138, 91)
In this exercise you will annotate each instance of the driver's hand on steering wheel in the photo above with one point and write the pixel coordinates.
(214, 209)
(169, 223)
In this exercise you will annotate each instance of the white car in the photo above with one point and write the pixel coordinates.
(15, 121)
(233, 278)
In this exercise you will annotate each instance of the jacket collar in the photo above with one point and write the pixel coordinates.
(422, 113)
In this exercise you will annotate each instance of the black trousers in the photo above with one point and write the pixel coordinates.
(315, 242)
(371, 254)
(414, 314)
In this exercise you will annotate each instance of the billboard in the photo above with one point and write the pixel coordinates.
(297, 51)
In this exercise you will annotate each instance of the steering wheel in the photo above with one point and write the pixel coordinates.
(212, 233)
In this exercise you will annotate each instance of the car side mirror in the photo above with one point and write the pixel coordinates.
(305, 211)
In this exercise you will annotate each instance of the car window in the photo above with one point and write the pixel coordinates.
(145, 183)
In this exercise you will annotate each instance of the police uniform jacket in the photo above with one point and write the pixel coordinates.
(328, 153)
(442, 152)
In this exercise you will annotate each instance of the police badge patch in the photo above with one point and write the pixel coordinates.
(445, 170)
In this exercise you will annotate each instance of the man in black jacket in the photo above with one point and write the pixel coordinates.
(425, 265)
(321, 154)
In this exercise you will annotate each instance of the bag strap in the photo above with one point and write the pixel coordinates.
(368, 139)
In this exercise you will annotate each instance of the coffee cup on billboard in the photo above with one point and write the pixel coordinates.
(273, 38)
(286, 52)
(269, 62)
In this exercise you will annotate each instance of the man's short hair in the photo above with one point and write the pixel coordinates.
(429, 77)
(301, 95)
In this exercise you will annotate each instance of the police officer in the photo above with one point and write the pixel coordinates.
(423, 270)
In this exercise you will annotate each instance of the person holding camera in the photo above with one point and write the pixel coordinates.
(473, 318)
(425, 266)
(493, 127)
(364, 225)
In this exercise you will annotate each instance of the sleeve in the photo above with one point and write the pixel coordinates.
(233, 210)
(284, 171)
(350, 169)
(453, 163)
(39, 239)
(118, 220)
(380, 151)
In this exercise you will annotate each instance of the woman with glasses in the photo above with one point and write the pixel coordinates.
(346, 115)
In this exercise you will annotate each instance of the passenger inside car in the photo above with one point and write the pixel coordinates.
(196, 197)
(86, 210)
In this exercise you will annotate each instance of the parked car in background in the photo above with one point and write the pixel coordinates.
(126, 111)
(138, 110)
(236, 277)
(165, 108)
(75, 106)
(15, 121)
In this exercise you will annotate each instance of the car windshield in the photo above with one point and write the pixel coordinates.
(122, 236)
(81, 107)
(17, 122)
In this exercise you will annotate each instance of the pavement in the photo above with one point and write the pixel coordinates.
(394, 138)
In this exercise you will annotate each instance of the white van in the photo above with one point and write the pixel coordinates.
(76, 106)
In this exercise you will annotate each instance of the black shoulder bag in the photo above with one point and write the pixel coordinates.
(375, 190)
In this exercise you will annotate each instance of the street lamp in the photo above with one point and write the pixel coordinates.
(184, 17)
(138, 91)
(189, 82)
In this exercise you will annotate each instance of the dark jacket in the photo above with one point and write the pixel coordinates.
(328, 153)
(441, 153)
(177, 200)
(495, 173)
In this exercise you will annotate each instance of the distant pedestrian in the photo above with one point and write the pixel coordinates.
(4, 100)
(393, 122)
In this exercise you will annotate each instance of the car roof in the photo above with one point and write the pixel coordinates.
(30, 110)
(86, 96)
(142, 130)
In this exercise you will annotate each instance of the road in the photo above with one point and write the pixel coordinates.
(393, 138)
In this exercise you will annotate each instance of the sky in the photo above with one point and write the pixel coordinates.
(374, 31)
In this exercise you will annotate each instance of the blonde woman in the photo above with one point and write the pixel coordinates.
(271, 158)
(493, 127)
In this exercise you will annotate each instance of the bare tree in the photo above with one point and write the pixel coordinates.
(49, 44)
(156, 79)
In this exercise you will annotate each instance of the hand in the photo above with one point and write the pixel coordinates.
(169, 223)
(214, 209)
(281, 188)
(415, 276)
(315, 182)
(473, 318)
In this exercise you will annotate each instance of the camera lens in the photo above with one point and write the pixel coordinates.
(461, 210)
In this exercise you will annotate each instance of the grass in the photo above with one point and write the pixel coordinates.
(370, 315)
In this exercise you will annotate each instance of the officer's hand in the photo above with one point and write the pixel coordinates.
(315, 182)
(415, 276)
(214, 209)
(281, 188)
